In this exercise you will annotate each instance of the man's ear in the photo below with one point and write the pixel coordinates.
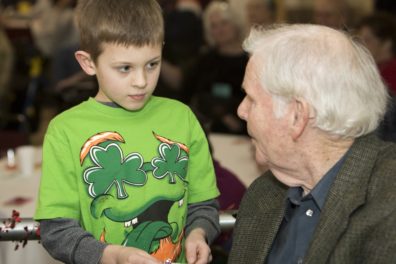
(85, 61)
(300, 118)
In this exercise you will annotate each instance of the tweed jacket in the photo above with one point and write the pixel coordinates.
(358, 220)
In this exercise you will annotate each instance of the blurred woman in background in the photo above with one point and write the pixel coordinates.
(213, 84)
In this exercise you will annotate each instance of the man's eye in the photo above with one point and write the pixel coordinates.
(124, 69)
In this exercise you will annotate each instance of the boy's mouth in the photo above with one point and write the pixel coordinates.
(137, 97)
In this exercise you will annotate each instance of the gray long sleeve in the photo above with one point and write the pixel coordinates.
(206, 216)
(67, 241)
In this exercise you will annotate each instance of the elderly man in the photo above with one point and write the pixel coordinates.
(313, 100)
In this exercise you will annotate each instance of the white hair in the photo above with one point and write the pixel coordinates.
(334, 73)
(227, 12)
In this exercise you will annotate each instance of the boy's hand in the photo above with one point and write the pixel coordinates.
(114, 254)
(197, 250)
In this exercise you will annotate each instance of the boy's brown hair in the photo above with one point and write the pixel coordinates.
(124, 22)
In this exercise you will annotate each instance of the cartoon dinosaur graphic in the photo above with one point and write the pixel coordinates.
(146, 198)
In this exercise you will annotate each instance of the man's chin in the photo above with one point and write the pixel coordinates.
(261, 163)
(261, 160)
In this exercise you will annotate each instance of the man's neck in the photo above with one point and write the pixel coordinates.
(324, 154)
(317, 157)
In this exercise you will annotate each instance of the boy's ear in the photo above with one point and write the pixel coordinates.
(85, 61)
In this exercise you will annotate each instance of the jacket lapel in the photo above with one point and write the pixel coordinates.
(260, 218)
(346, 194)
(271, 221)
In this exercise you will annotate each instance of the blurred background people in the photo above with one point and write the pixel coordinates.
(260, 12)
(6, 71)
(55, 28)
(56, 36)
(45, 37)
(388, 6)
(213, 83)
(334, 13)
(183, 40)
(378, 32)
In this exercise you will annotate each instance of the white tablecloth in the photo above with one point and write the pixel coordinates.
(12, 186)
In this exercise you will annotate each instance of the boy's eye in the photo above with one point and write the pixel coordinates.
(124, 68)
(153, 65)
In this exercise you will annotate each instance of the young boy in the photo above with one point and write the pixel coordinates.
(127, 176)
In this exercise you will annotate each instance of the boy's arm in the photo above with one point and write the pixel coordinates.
(204, 215)
(201, 229)
(68, 242)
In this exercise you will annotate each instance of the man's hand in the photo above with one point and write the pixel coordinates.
(114, 254)
(197, 250)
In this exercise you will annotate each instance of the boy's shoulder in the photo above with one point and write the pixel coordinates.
(170, 108)
(71, 113)
(164, 101)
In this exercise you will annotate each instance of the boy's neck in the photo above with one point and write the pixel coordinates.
(111, 104)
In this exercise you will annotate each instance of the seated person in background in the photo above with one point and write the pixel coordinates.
(213, 83)
(6, 71)
(378, 33)
(183, 40)
(334, 13)
(54, 28)
(260, 12)
(56, 36)
(388, 6)
(127, 177)
(314, 99)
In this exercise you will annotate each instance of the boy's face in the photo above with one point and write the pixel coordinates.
(127, 76)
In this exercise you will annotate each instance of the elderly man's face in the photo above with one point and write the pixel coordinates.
(268, 132)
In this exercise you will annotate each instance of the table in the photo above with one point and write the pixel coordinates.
(14, 186)
(236, 153)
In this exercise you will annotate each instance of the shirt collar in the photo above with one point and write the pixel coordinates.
(321, 189)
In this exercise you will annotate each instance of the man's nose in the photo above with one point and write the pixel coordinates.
(242, 113)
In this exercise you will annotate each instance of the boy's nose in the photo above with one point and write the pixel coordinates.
(139, 79)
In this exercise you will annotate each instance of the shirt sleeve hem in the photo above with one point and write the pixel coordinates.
(203, 196)
(51, 213)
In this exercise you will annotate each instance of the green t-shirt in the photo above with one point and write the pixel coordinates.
(127, 176)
